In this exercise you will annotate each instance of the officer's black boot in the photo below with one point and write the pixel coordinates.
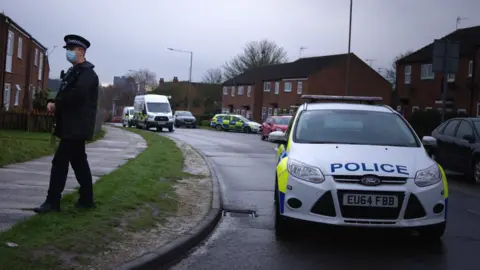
(47, 207)
(85, 204)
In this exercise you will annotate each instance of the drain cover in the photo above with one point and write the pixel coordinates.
(239, 213)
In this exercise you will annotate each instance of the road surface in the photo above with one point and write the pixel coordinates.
(245, 166)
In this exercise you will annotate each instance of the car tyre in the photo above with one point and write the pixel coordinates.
(218, 127)
(170, 129)
(432, 233)
(475, 175)
(247, 130)
(283, 226)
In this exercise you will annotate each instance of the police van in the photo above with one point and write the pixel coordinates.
(345, 163)
(153, 111)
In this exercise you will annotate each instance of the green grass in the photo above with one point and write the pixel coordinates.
(136, 196)
(20, 146)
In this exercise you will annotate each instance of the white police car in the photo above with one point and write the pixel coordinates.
(350, 164)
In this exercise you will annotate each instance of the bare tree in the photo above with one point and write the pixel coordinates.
(255, 54)
(391, 72)
(213, 75)
(144, 77)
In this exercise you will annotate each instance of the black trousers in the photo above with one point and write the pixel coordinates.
(73, 152)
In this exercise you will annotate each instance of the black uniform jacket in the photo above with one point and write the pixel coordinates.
(76, 103)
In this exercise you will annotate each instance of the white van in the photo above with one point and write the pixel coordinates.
(127, 116)
(153, 111)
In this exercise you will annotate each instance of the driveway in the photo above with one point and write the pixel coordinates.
(245, 166)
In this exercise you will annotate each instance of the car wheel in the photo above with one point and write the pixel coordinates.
(218, 127)
(475, 177)
(262, 137)
(247, 130)
(432, 233)
(282, 224)
(170, 129)
(124, 125)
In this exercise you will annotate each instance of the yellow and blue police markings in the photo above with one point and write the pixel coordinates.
(282, 173)
(228, 123)
(445, 188)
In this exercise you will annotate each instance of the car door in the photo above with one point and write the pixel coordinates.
(445, 144)
(234, 123)
(462, 147)
(226, 122)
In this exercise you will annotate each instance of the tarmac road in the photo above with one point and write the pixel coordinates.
(245, 166)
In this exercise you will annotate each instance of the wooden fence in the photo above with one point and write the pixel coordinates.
(36, 121)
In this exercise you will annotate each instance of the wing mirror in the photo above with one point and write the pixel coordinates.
(429, 141)
(469, 138)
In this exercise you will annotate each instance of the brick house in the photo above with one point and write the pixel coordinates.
(277, 89)
(418, 88)
(24, 65)
(204, 97)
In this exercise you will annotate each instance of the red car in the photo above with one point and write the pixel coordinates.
(274, 123)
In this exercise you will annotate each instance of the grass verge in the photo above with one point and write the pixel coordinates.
(20, 146)
(137, 195)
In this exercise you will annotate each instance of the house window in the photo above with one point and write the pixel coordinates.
(240, 90)
(225, 90)
(299, 87)
(233, 91)
(269, 111)
(249, 91)
(40, 68)
(451, 77)
(470, 68)
(426, 72)
(243, 112)
(275, 111)
(20, 48)
(36, 57)
(267, 86)
(277, 88)
(17, 94)
(287, 87)
(408, 74)
(9, 59)
(6, 96)
(415, 109)
(291, 112)
(428, 108)
(264, 111)
(462, 112)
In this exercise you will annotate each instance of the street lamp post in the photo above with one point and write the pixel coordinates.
(347, 79)
(189, 75)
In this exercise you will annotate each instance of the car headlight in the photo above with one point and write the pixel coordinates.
(428, 176)
(305, 172)
(150, 115)
(170, 117)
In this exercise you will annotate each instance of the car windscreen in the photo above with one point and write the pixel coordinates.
(353, 127)
(157, 107)
(282, 121)
(243, 119)
(184, 114)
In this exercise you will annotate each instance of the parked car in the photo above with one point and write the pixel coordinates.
(274, 123)
(455, 144)
(185, 119)
(127, 116)
(234, 122)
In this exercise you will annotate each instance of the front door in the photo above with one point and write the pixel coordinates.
(226, 122)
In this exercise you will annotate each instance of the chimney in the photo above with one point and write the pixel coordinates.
(175, 79)
(161, 81)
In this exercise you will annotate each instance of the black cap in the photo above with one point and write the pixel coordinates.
(76, 41)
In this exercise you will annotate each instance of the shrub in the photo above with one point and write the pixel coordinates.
(205, 123)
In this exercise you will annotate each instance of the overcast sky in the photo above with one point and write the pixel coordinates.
(135, 34)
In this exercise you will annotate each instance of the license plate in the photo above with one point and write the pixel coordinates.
(161, 122)
(370, 200)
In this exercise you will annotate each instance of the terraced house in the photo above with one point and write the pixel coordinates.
(24, 65)
(418, 88)
(277, 89)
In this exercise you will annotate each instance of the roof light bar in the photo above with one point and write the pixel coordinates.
(314, 98)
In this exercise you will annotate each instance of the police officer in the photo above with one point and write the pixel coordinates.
(75, 108)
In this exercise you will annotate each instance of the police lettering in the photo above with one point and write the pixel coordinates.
(373, 167)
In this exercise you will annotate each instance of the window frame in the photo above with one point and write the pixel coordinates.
(408, 75)
(267, 86)
(415, 109)
(7, 98)
(35, 60)
(249, 91)
(277, 88)
(233, 91)
(9, 52)
(20, 48)
(430, 74)
(470, 68)
(240, 90)
(40, 65)
(299, 87)
(225, 90)
(18, 90)
(287, 89)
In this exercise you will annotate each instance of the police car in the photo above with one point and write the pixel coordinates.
(347, 164)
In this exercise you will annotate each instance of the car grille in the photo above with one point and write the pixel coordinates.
(414, 208)
(161, 118)
(386, 180)
(362, 212)
(324, 206)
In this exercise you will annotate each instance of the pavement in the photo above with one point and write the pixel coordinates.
(24, 186)
(245, 239)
